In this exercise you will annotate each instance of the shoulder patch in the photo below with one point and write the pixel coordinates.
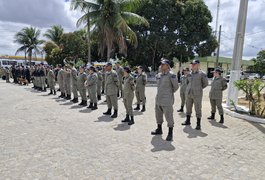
(173, 76)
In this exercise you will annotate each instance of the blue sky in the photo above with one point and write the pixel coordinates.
(16, 14)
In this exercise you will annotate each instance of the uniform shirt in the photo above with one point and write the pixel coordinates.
(60, 75)
(100, 78)
(92, 80)
(74, 75)
(141, 81)
(184, 83)
(120, 73)
(129, 86)
(197, 81)
(50, 75)
(218, 85)
(111, 83)
(81, 79)
(167, 85)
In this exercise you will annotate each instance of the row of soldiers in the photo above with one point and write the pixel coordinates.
(92, 82)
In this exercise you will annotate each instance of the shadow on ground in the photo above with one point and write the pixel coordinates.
(193, 133)
(161, 144)
(260, 127)
(217, 124)
(122, 127)
(104, 119)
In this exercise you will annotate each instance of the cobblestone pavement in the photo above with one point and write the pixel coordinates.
(43, 137)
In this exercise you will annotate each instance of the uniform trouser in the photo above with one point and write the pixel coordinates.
(51, 85)
(99, 89)
(67, 87)
(103, 85)
(92, 93)
(61, 86)
(34, 81)
(83, 95)
(217, 103)
(168, 111)
(128, 101)
(7, 78)
(112, 101)
(183, 98)
(197, 101)
(74, 90)
(42, 82)
(38, 82)
(120, 86)
(140, 96)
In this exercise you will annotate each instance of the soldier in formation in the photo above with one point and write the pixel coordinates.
(51, 80)
(81, 79)
(119, 71)
(218, 85)
(183, 87)
(74, 75)
(141, 80)
(91, 84)
(196, 82)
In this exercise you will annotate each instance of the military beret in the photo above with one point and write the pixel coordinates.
(108, 64)
(127, 69)
(195, 61)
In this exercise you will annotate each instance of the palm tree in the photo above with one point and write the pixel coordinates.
(54, 34)
(29, 39)
(110, 20)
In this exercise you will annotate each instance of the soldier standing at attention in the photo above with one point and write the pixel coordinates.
(103, 79)
(60, 79)
(167, 85)
(92, 88)
(128, 95)
(42, 77)
(7, 74)
(67, 82)
(82, 77)
(197, 81)
(74, 75)
(119, 71)
(111, 88)
(99, 83)
(183, 81)
(51, 80)
(141, 80)
(218, 85)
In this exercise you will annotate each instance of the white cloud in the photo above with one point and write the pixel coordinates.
(254, 41)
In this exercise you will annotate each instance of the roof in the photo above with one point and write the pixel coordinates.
(224, 60)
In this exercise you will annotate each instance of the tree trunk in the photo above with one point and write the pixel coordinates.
(108, 53)
(88, 41)
(30, 57)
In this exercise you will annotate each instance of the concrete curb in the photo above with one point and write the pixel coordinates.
(244, 116)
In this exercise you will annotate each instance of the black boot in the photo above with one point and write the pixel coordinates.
(61, 95)
(75, 100)
(198, 127)
(170, 134)
(95, 106)
(212, 117)
(82, 103)
(127, 119)
(115, 114)
(85, 103)
(158, 131)
(137, 107)
(99, 97)
(181, 109)
(131, 121)
(54, 92)
(102, 92)
(68, 97)
(221, 119)
(143, 109)
(108, 112)
(118, 94)
(90, 106)
(50, 93)
(187, 122)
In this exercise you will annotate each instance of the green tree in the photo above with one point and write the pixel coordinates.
(29, 39)
(54, 34)
(48, 48)
(259, 63)
(111, 20)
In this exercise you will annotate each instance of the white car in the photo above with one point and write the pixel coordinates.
(254, 76)
(243, 76)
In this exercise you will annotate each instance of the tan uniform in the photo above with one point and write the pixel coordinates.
(141, 80)
(167, 85)
(120, 77)
(99, 83)
(111, 88)
(67, 81)
(216, 94)
(128, 90)
(51, 79)
(92, 87)
(43, 78)
(74, 75)
(60, 79)
(81, 79)
(7, 74)
(196, 82)
(183, 87)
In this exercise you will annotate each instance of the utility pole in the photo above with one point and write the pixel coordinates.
(217, 18)
(237, 54)
(218, 48)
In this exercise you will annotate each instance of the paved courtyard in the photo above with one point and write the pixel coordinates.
(43, 137)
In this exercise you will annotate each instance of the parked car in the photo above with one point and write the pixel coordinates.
(253, 76)
(243, 76)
